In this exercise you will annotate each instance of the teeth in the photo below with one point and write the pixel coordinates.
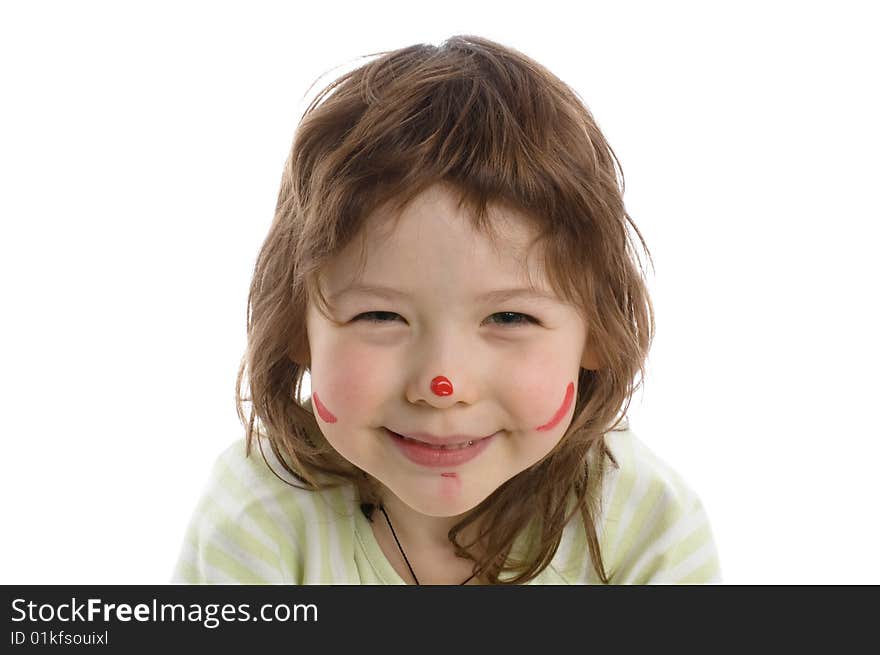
(456, 446)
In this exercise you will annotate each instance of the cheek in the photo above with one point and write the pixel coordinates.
(561, 413)
(542, 397)
(346, 383)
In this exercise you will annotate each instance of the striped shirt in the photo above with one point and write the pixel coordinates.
(249, 527)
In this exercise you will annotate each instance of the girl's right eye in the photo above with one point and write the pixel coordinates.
(375, 317)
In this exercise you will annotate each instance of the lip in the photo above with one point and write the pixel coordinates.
(426, 454)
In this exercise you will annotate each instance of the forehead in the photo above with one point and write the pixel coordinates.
(438, 210)
(434, 233)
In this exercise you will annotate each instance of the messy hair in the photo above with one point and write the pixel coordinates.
(501, 130)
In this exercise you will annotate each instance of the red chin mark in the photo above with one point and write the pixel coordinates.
(450, 486)
(322, 411)
(561, 412)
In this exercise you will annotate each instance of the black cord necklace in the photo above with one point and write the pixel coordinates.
(368, 510)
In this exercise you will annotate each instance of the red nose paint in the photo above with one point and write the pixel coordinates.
(562, 411)
(441, 386)
(322, 411)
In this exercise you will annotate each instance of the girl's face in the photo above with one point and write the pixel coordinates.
(434, 344)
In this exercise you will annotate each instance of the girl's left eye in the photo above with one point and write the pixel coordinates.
(517, 319)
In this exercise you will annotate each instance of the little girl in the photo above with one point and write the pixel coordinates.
(451, 265)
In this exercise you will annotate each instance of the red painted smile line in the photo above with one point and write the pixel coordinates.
(562, 411)
(322, 411)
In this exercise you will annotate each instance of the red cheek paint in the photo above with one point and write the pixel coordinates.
(562, 411)
(322, 411)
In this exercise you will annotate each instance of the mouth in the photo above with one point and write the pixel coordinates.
(445, 445)
(446, 452)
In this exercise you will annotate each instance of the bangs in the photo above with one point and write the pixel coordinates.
(495, 125)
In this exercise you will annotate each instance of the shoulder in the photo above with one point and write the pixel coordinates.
(652, 526)
(639, 469)
(251, 523)
(654, 529)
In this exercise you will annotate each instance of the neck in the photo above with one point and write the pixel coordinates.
(422, 540)
(416, 530)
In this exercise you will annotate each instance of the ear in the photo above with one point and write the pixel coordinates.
(299, 353)
(590, 358)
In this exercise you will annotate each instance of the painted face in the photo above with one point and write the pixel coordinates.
(430, 346)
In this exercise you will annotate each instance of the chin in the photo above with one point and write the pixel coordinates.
(446, 512)
(441, 505)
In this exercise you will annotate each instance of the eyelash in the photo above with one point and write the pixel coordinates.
(524, 319)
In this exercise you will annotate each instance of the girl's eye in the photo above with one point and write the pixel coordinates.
(501, 318)
(375, 317)
(514, 318)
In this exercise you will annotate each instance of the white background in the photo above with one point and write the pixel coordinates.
(141, 147)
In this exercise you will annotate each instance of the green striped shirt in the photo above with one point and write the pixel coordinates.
(249, 527)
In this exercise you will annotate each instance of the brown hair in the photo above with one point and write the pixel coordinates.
(501, 130)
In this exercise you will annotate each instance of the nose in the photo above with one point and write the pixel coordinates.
(441, 382)
(437, 391)
(441, 386)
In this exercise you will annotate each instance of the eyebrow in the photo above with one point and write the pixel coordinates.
(497, 296)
